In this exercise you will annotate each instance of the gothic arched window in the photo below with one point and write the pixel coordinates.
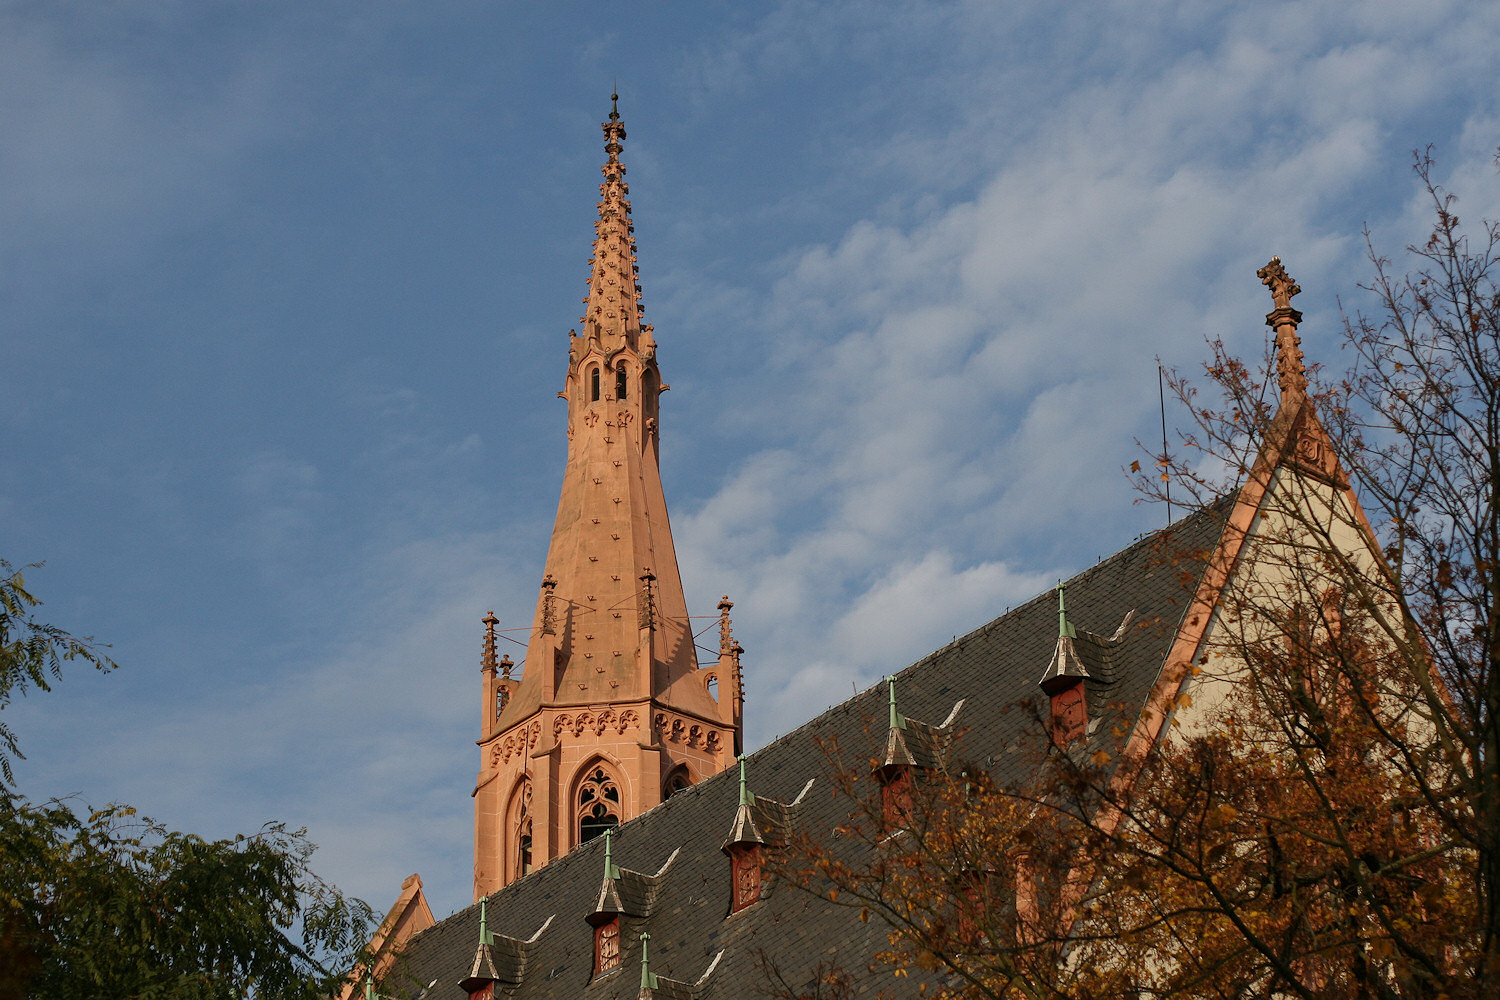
(598, 803)
(620, 382)
(594, 384)
(518, 829)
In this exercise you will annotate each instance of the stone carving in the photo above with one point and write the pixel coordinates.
(603, 721)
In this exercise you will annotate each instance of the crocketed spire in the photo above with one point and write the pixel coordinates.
(613, 313)
(1291, 370)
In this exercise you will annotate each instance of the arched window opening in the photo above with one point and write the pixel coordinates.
(620, 382)
(713, 686)
(598, 804)
(594, 384)
(678, 780)
(524, 867)
(519, 823)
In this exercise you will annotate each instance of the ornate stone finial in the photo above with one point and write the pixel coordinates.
(726, 631)
(487, 659)
(506, 666)
(648, 600)
(549, 609)
(1065, 628)
(1291, 371)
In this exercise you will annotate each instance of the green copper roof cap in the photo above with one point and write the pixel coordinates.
(898, 721)
(484, 931)
(610, 870)
(1065, 629)
(648, 981)
(746, 799)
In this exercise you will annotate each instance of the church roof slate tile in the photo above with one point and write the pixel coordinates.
(994, 669)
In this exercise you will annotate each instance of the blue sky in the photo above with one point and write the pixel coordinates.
(285, 291)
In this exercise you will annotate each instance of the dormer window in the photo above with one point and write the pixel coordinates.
(895, 797)
(1070, 714)
(745, 872)
(607, 946)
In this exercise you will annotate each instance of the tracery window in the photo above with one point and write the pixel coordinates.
(598, 804)
(519, 827)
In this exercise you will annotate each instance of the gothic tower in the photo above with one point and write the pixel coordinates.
(611, 711)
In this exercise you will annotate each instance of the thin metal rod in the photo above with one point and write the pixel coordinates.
(1165, 463)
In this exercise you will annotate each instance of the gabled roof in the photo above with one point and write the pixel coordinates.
(993, 669)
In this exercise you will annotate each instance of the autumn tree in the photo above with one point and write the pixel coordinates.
(109, 904)
(1320, 817)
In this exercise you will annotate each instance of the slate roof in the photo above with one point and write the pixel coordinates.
(994, 669)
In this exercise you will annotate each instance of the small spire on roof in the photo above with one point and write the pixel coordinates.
(746, 799)
(726, 628)
(1291, 371)
(898, 721)
(614, 102)
(1065, 628)
(611, 870)
(488, 658)
(648, 980)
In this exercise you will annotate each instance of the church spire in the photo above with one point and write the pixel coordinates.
(610, 708)
(612, 317)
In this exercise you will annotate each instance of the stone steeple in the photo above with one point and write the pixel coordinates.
(611, 710)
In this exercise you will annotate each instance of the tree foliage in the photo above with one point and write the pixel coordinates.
(110, 904)
(1326, 821)
(30, 653)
